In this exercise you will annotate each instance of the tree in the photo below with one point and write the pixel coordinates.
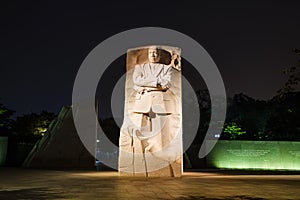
(283, 123)
(5, 119)
(233, 130)
(204, 103)
(248, 114)
(293, 80)
(31, 127)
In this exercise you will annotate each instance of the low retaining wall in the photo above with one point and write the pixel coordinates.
(269, 155)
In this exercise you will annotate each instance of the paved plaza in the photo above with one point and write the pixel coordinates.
(19, 183)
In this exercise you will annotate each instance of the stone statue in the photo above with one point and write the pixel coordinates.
(150, 139)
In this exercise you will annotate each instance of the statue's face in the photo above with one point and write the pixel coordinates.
(153, 55)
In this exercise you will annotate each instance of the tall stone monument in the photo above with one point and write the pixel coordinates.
(151, 134)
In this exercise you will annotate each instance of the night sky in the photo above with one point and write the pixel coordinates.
(43, 43)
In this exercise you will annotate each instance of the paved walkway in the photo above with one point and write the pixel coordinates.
(50, 184)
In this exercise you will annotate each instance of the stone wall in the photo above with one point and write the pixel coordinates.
(268, 155)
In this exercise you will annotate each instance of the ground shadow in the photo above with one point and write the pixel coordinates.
(241, 197)
(30, 193)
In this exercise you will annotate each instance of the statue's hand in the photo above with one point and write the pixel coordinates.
(164, 87)
(140, 89)
(174, 56)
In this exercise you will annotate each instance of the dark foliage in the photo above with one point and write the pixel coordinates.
(31, 127)
(5, 120)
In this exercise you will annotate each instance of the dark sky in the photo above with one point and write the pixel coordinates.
(43, 43)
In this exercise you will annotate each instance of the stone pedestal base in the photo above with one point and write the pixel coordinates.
(171, 170)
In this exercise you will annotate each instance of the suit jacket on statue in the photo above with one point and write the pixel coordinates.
(152, 82)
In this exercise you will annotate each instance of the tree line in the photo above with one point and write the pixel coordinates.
(28, 128)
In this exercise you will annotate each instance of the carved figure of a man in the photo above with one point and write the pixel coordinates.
(154, 116)
(153, 101)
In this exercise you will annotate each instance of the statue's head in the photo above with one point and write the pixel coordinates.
(154, 54)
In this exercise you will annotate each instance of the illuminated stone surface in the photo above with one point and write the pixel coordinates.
(151, 134)
(47, 185)
(284, 155)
